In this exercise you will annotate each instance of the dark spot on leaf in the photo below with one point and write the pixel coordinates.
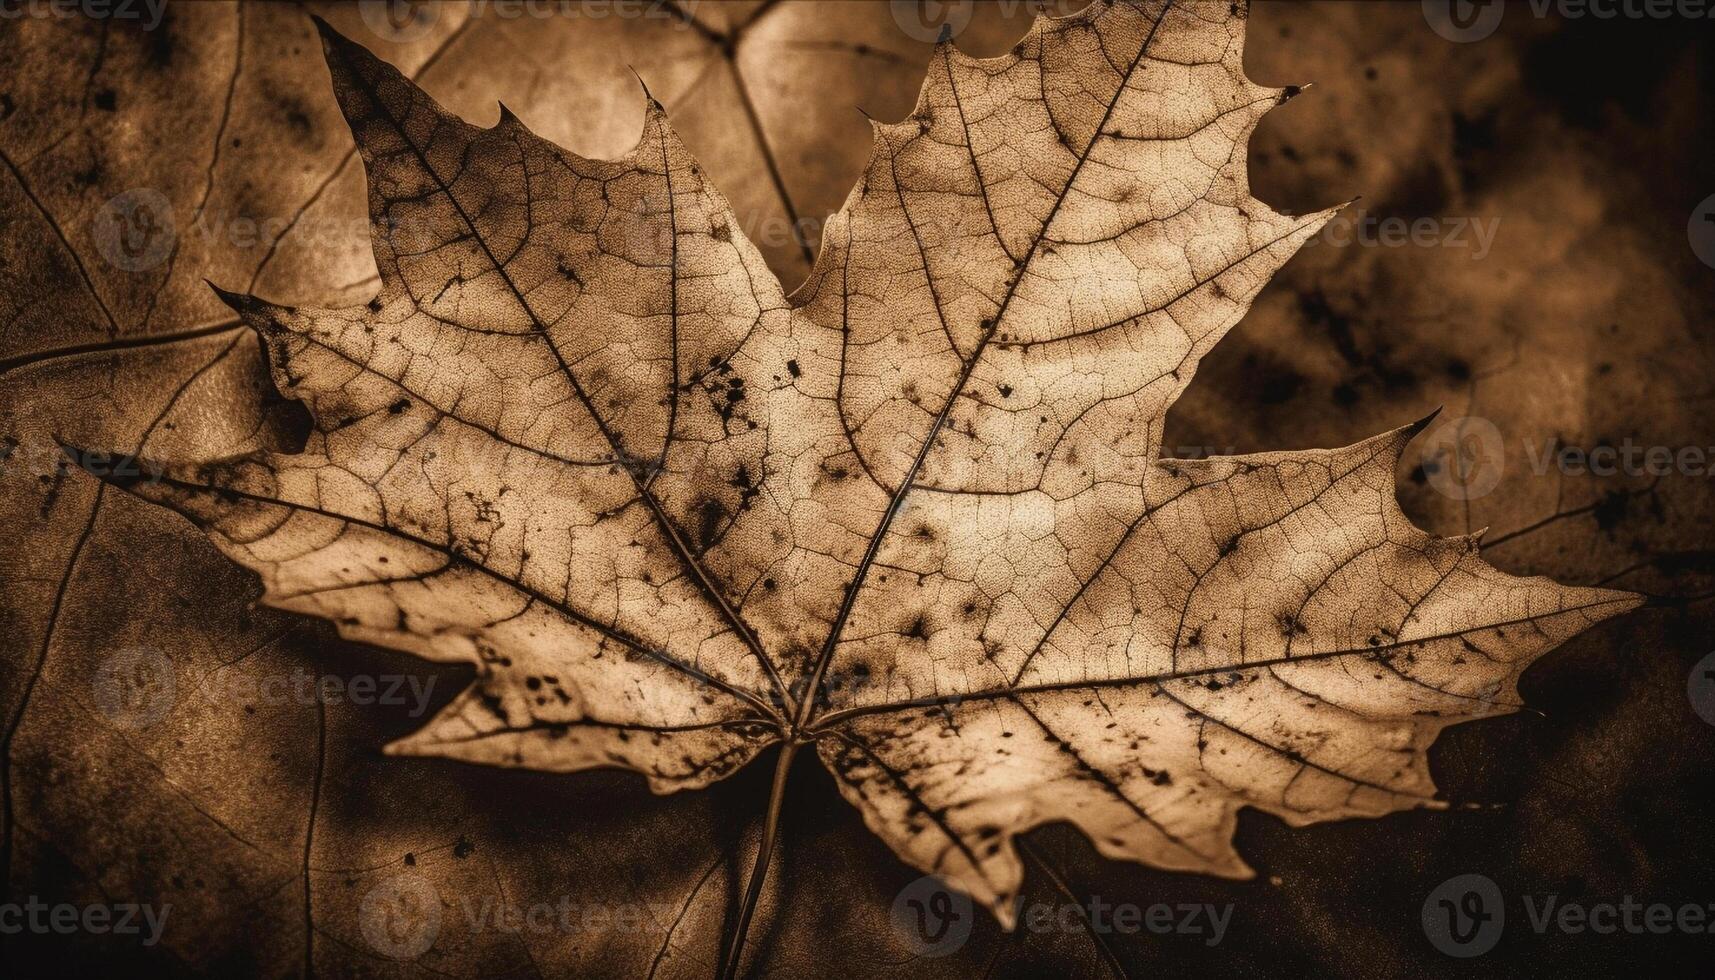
(710, 516)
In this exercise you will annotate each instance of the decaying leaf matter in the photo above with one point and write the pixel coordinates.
(913, 514)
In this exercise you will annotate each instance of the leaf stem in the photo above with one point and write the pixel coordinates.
(733, 955)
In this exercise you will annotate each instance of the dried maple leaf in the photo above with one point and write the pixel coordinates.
(913, 515)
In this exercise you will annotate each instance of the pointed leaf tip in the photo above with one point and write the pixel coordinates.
(327, 31)
(334, 42)
(238, 301)
(1423, 423)
(642, 84)
(257, 312)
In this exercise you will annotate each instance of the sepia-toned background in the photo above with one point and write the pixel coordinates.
(1532, 252)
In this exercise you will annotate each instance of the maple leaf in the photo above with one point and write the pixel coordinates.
(914, 515)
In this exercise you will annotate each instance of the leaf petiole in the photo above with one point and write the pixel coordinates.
(733, 955)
